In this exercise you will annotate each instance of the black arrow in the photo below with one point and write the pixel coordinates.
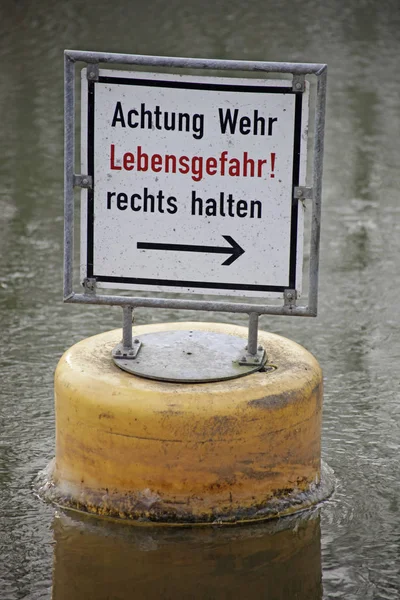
(235, 250)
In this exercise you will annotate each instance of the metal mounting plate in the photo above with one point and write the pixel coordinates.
(120, 352)
(245, 358)
(189, 357)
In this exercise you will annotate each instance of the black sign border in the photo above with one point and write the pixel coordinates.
(201, 86)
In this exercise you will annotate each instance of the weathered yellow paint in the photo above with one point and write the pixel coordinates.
(136, 448)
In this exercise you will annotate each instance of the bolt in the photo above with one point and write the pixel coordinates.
(130, 352)
(85, 181)
(118, 352)
(298, 85)
(91, 75)
(137, 341)
(299, 193)
(244, 359)
(260, 348)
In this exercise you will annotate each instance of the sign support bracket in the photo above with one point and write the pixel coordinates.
(253, 334)
(127, 348)
(253, 353)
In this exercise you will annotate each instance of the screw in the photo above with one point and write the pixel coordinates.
(299, 193)
(91, 75)
(298, 85)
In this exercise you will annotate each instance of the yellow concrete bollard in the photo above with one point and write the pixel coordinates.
(244, 449)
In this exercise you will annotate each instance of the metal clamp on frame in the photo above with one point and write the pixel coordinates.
(290, 297)
(89, 285)
(299, 83)
(92, 72)
(303, 193)
(83, 181)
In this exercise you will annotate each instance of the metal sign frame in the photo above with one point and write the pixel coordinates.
(313, 193)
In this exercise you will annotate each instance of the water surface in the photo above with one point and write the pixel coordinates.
(353, 543)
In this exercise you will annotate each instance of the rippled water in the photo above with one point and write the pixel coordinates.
(352, 542)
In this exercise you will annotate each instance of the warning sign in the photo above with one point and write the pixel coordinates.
(193, 183)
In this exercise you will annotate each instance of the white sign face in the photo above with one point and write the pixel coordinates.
(193, 183)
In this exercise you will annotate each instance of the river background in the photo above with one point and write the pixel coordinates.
(356, 547)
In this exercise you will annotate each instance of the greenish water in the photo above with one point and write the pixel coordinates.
(347, 549)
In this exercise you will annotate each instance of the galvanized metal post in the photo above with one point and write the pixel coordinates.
(126, 350)
(127, 328)
(253, 334)
(69, 160)
(317, 185)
